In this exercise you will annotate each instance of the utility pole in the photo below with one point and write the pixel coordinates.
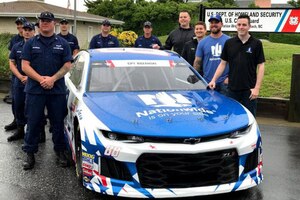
(75, 19)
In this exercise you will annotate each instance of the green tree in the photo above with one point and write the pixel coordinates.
(253, 5)
(294, 3)
(226, 3)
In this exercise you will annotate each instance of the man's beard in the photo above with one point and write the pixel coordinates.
(216, 31)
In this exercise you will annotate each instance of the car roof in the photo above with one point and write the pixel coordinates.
(132, 54)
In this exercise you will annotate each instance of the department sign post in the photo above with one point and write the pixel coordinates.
(262, 19)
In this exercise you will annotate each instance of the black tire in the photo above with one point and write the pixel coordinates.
(78, 149)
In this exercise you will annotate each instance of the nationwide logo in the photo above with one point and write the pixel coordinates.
(162, 99)
(216, 50)
(177, 103)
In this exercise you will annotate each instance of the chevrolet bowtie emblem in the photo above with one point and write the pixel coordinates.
(192, 141)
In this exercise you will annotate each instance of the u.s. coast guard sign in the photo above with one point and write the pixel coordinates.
(262, 19)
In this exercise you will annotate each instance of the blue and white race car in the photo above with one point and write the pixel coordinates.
(141, 123)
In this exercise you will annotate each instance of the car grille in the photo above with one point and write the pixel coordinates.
(252, 161)
(188, 170)
(114, 169)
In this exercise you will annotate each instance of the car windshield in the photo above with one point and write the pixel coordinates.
(140, 75)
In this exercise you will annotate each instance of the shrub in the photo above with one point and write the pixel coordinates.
(126, 38)
(4, 53)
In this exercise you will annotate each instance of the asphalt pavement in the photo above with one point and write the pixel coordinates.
(47, 181)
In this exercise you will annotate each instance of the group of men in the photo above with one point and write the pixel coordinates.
(232, 66)
(38, 63)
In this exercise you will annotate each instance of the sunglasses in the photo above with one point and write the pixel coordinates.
(105, 25)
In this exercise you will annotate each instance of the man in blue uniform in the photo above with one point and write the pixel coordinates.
(147, 40)
(72, 39)
(19, 81)
(104, 39)
(9, 98)
(46, 58)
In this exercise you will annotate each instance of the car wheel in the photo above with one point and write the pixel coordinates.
(78, 164)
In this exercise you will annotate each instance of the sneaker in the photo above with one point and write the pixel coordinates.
(61, 159)
(29, 161)
(11, 126)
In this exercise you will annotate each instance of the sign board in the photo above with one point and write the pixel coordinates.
(261, 19)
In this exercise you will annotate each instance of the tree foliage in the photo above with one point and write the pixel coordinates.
(163, 13)
(294, 3)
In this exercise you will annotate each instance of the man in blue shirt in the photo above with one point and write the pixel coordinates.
(46, 58)
(104, 39)
(72, 39)
(209, 52)
(19, 82)
(9, 98)
(148, 40)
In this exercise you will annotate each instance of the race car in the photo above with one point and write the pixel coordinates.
(142, 123)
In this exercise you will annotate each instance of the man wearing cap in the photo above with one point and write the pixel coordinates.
(19, 81)
(9, 98)
(46, 58)
(209, 52)
(64, 33)
(147, 40)
(178, 37)
(104, 39)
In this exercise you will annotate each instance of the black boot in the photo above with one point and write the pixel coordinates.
(11, 126)
(29, 161)
(42, 137)
(61, 159)
(19, 134)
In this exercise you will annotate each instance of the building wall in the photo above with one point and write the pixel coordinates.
(263, 3)
(7, 25)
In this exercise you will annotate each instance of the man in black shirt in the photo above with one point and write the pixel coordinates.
(189, 48)
(180, 35)
(245, 56)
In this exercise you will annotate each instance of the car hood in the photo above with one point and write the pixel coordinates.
(167, 114)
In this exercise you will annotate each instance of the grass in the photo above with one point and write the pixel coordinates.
(278, 68)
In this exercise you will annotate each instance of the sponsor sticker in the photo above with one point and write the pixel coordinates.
(87, 172)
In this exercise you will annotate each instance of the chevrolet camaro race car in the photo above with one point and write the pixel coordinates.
(141, 123)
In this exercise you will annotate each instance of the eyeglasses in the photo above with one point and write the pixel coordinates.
(63, 23)
(105, 25)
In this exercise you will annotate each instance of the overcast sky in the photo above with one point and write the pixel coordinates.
(80, 3)
(62, 3)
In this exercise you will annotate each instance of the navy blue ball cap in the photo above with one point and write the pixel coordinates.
(147, 23)
(20, 19)
(106, 22)
(64, 20)
(46, 15)
(215, 17)
(28, 25)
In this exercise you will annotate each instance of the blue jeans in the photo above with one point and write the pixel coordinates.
(244, 98)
